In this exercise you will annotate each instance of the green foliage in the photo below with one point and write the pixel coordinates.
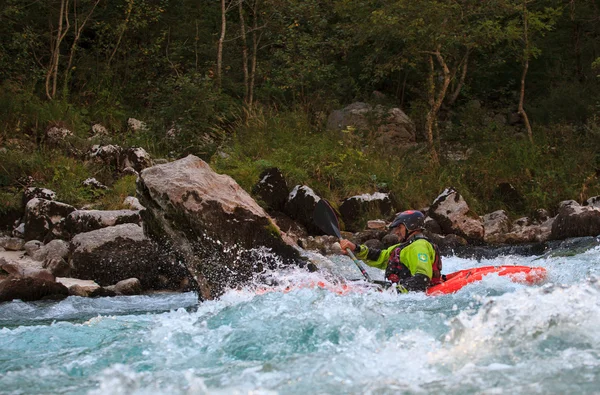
(197, 115)
(10, 200)
(113, 199)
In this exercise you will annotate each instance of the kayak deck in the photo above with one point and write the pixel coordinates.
(519, 274)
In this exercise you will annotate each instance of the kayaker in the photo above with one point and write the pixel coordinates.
(412, 265)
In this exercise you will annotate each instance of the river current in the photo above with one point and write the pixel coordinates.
(492, 337)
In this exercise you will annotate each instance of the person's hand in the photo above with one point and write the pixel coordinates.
(347, 244)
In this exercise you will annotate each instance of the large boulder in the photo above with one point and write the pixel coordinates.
(44, 219)
(454, 216)
(393, 127)
(353, 209)
(116, 253)
(87, 220)
(211, 222)
(300, 206)
(272, 189)
(574, 220)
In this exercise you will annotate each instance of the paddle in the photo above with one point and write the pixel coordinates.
(325, 218)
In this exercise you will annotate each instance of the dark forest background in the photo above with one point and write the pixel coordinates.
(249, 84)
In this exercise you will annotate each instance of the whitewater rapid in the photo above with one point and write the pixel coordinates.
(491, 337)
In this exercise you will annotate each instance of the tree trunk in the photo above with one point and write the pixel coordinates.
(52, 75)
(435, 100)
(524, 74)
(125, 23)
(244, 51)
(461, 81)
(78, 30)
(220, 43)
(253, 61)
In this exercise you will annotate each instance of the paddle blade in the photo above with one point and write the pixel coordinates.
(325, 218)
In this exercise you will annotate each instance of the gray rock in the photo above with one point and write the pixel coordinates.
(42, 217)
(593, 201)
(454, 216)
(12, 243)
(133, 203)
(87, 220)
(211, 222)
(136, 158)
(496, 226)
(136, 126)
(41, 193)
(393, 127)
(272, 189)
(32, 248)
(574, 220)
(354, 208)
(93, 183)
(300, 206)
(130, 286)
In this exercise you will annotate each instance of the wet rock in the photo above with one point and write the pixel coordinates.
(87, 220)
(43, 216)
(30, 289)
(452, 213)
(290, 227)
(78, 287)
(323, 244)
(354, 208)
(130, 286)
(213, 224)
(272, 189)
(300, 206)
(118, 252)
(574, 220)
(24, 267)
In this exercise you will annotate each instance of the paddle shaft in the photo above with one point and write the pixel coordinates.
(357, 263)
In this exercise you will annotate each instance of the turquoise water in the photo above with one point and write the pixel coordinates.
(491, 337)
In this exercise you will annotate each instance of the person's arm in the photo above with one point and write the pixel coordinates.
(371, 256)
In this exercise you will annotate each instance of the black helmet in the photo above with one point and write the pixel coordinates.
(412, 219)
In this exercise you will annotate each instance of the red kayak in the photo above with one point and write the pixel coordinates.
(454, 281)
(457, 280)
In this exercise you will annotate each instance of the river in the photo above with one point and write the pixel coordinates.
(492, 337)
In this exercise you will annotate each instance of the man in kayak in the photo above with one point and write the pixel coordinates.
(412, 265)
